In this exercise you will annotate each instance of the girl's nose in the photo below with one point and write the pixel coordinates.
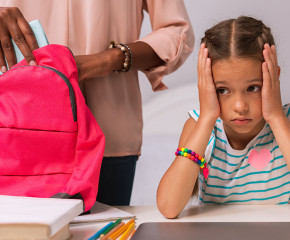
(240, 105)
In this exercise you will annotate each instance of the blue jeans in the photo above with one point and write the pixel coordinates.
(116, 180)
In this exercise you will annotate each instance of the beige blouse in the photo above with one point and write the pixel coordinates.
(87, 26)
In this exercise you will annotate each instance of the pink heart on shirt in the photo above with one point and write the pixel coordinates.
(259, 160)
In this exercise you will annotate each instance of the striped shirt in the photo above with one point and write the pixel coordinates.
(235, 179)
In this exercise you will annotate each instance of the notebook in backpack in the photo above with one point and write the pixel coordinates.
(51, 144)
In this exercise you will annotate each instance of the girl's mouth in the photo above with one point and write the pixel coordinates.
(241, 121)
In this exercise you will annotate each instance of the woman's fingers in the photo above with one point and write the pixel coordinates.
(3, 67)
(14, 26)
(8, 50)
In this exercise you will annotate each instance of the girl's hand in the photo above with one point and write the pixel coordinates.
(271, 96)
(13, 25)
(209, 104)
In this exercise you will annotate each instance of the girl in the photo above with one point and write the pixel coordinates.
(242, 129)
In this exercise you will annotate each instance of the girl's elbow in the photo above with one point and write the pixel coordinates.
(167, 210)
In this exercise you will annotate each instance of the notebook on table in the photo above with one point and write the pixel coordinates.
(213, 230)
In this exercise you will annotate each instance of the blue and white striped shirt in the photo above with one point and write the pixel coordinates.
(234, 179)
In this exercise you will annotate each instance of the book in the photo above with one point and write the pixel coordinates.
(37, 218)
(101, 212)
(31, 232)
(39, 35)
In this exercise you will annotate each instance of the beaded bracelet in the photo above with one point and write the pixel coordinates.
(195, 157)
(128, 55)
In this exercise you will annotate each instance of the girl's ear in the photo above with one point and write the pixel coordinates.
(279, 70)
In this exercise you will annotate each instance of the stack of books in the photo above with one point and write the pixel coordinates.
(25, 218)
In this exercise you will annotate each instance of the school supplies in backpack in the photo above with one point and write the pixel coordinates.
(51, 144)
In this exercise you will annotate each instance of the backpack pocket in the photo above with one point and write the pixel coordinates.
(38, 122)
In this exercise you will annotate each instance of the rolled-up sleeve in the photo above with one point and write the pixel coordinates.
(171, 38)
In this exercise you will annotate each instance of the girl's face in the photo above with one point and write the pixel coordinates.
(238, 83)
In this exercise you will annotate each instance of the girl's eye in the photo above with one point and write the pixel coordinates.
(254, 88)
(222, 91)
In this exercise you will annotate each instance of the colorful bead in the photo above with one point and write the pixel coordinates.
(205, 172)
(194, 157)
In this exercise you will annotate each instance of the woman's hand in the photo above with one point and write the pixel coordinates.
(209, 104)
(100, 64)
(271, 95)
(13, 25)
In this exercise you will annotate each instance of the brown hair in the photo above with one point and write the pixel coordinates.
(243, 37)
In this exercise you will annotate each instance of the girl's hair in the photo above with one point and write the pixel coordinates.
(243, 37)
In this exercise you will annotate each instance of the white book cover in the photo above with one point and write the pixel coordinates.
(53, 212)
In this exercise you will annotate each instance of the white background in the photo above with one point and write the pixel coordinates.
(165, 112)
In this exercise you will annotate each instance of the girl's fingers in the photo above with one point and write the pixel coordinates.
(200, 54)
(270, 66)
(208, 74)
(266, 76)
(204, 57)
(274, 53)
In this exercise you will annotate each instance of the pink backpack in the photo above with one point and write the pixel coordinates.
(51, 144)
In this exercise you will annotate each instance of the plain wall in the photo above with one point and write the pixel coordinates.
(165, 112)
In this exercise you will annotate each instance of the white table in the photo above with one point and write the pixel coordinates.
(222, 213)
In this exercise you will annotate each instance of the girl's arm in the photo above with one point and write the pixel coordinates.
(271, 102)
(177, 184)
(281, 129)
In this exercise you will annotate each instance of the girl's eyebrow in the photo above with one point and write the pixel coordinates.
(221, 82)
(248, 81)
(255, 80)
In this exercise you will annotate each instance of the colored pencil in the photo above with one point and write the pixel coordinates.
(132, 233)
(116, 234)
(112, 226)
(105, 237)
(127, 233)
(98, 233)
